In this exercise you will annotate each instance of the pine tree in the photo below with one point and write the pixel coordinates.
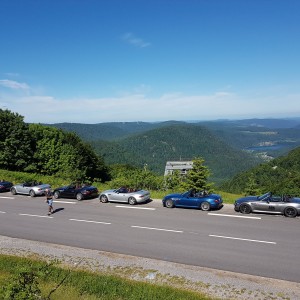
(197, 177)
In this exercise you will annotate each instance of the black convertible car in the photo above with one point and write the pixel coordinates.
(5, 186)
(267, 203)
(76, 191)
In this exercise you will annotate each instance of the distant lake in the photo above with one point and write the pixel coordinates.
(266, 148)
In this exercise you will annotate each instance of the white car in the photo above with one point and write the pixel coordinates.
(124, 195)
(32, 188)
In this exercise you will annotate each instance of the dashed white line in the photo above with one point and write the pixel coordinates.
(160, 229)
(38, 216)
(241, 239)
(2, 212)
(233, 216)
(68, 202)
(88, 221)
(147, 208)
(7, 197)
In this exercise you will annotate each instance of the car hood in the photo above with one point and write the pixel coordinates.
(246, 199)
(109, 191)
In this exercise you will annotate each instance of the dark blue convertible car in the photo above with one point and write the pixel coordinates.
(5, 185)
(201, 200)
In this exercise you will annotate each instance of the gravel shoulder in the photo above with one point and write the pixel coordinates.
(216, 283)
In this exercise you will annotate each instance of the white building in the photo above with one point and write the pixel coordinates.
(182, 166)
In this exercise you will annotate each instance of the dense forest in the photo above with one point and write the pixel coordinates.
(280, 176)
(46, 150)
(239, 134)
(222, 143)
(176, 142)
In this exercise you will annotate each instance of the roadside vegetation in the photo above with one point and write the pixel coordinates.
(30, 279)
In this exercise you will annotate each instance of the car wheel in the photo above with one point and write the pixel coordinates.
(56, 194)
(79, 196)
(32, 193)
(13, 191)
(103, 199)
(290, 212)
(245, 209)
(169, 203)
(205, 206)
(132, 201)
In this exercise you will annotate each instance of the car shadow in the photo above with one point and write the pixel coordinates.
(146, 202)
(57, 210)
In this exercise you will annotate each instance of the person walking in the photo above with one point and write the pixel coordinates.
(49, 201)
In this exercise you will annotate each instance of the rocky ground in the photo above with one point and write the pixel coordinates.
(216, 283)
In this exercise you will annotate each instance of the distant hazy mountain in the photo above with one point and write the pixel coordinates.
(110, 131)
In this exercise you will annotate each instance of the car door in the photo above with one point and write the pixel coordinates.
(24, 188)
(271, 205)
(69, 192)
(120, 197)
(187, 201)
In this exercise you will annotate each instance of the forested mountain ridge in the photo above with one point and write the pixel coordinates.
(280, 176)
(110, 130)
(271, 136)
(155, 147)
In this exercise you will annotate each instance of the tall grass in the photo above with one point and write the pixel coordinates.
(87, 285)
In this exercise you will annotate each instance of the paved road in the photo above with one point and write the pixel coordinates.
(263, 245)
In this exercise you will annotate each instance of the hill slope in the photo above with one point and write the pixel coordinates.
(185, 141)
(280, 176)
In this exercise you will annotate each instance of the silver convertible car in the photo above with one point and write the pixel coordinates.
(32, 188)
(267, 203)
(124, 195)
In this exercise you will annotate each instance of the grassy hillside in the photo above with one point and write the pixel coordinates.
(186, 141)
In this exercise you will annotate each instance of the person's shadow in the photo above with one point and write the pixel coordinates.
(57, 210)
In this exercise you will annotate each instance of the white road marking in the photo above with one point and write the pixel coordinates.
(7, 197)
(123, 206)
(68, 202)
(241, 239)
(233, 216)
(160, 229)
(88, 221)
(38, 216)
(2, 212)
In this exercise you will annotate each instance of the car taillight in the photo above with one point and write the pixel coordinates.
(217, 200)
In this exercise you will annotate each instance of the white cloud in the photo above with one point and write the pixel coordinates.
(133, 40)
(13, 84)
(137, 106)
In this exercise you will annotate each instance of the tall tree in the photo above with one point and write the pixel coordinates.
(15, 142)
(197, 177)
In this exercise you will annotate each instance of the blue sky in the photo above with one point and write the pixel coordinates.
(94, 61)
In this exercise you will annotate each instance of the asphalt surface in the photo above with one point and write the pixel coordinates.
(256, 244)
